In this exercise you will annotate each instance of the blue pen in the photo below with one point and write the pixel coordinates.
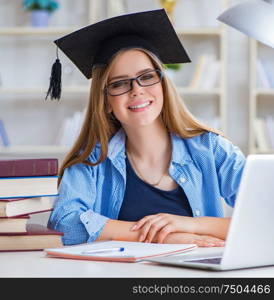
(106, 250)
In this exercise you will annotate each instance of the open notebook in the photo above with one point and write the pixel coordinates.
(118, 251)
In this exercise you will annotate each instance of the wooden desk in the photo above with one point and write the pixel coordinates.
(37, 264)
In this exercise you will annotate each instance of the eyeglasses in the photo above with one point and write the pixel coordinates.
(121, 87)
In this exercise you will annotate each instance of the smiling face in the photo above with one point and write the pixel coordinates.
(142, 105)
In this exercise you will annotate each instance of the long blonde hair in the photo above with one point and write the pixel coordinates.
(99, 125)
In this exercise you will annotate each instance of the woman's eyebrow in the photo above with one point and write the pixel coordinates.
(126, 76)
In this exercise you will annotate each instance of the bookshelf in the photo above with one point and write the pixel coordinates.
(261, 98)
(206, 103)
(28, 53)
(31, 122)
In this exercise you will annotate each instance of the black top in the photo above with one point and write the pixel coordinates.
(142, 199)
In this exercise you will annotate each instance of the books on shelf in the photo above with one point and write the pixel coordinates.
(270, 129)
(213, 122)
(211, 76)
(70, 129)
(126, 251)
(36, 237)
(265, 72)
(21, 206)
(29, 167)
(4, 138)
(206, 73)
(198, 71)
(14, 224)
(21, 196)
(263, 129)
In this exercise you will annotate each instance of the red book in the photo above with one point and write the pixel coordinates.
(29, 167)
(37, 237)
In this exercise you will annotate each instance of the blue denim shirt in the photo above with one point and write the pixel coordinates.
(208, 167)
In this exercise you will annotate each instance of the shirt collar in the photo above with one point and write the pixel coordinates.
(180, 153)
(117, 144)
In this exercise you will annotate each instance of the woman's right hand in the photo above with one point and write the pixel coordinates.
(190, 238)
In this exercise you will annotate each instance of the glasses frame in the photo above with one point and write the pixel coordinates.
(161, 75)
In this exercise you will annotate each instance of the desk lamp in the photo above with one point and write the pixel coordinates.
(254, 18)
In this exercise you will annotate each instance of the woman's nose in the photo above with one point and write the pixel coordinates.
(135, 88)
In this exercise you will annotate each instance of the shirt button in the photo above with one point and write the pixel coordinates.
(197, 212)
(182, 179)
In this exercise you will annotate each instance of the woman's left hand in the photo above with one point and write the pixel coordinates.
(161, 225)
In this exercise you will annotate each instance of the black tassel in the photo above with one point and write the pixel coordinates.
(55, 81)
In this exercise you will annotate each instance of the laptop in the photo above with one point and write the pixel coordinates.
(250, 239)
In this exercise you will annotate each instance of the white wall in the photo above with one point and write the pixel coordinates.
(238, 86)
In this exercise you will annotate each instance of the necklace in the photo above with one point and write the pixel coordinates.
(134, 165)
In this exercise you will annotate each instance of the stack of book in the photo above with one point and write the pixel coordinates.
(27, 186)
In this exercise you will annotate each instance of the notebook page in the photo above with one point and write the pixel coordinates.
(131, 249)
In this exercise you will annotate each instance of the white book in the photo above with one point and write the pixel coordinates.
(118, 250)
(77, 121)
(210, 76)
(4, 139)
(23, 206)
(261, 134)
(65, 134)
(36, 186)
(270, 128)
(202, 64)
(262, 79)
(70, 129)
(269, 70)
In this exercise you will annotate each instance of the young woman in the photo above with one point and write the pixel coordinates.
(143, 168)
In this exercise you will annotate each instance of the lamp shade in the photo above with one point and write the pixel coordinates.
(254, 18)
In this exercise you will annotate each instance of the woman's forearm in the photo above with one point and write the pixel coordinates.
(213, 226)
(121, 230)
(118, 230)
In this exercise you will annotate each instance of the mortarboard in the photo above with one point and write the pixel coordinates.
(97, 43)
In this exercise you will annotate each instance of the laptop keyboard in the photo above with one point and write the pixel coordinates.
(214, 260)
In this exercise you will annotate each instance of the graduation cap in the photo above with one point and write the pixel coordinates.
(97, 43)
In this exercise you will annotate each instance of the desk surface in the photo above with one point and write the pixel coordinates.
(37, 264)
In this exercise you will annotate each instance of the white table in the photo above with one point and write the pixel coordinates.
(37, 264)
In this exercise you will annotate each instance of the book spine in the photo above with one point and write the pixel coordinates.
(269, 70)
(262, 76)
(261, 134)
(209, 79)
(199, 68)
(270, 127)
(3, 211)
(28, 167)
(3, 134)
